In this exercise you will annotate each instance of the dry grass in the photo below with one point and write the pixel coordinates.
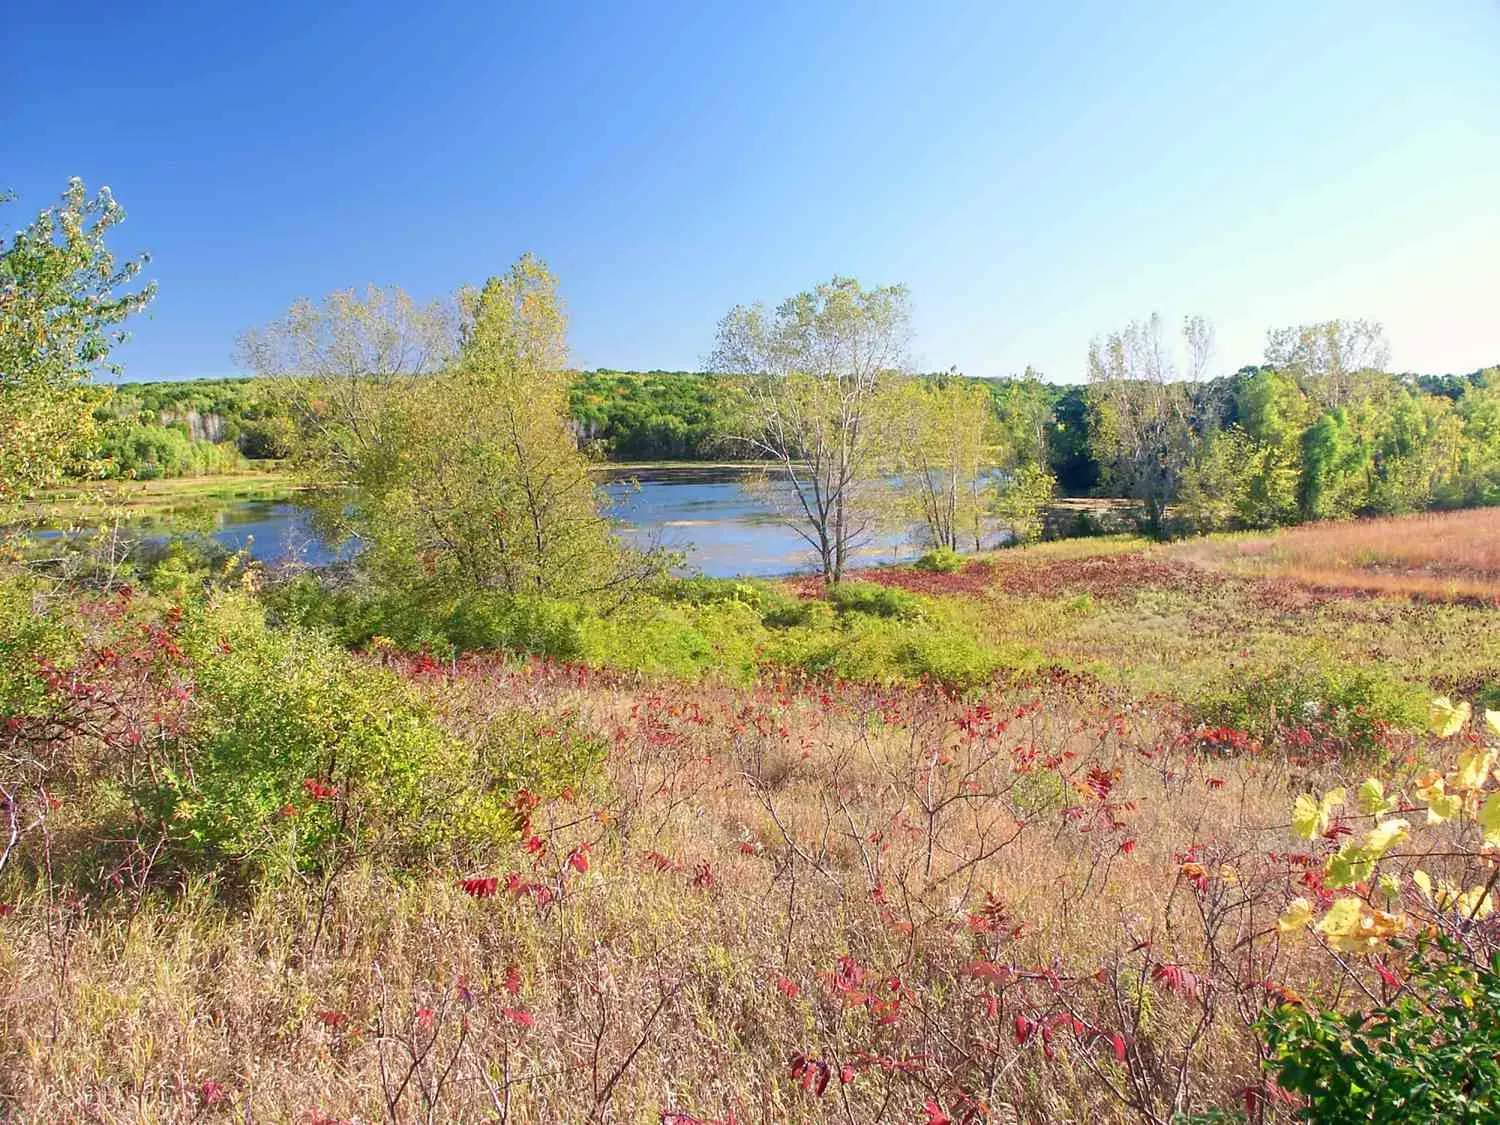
(882, 883)
(1440, 555)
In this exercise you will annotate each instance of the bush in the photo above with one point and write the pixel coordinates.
(1345, 709)
(303, 758)
(1431, 1055)
(712, 591)
(874, 600)
(941, 560)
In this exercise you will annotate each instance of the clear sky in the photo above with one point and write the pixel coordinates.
(1036, 173)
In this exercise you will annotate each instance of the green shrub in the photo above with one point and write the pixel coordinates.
(941, 560)
(304, 757)
(711, 591)
(30, 631)
(540, 626)
(1347, 708)
(1431, 1055)
(663, 638)
(874, 600)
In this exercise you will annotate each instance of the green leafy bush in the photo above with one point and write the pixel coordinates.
(1431, 1055)
(874, 600)
(940, 560)
(303, 756)
(1340, 707)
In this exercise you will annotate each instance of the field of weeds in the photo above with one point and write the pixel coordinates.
(791, 903)
(1059, 897)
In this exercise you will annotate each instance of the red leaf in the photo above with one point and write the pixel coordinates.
(787, 988)
(519, 1017)
(935, 1114)
(480, 888)
(1024, 1029)
(512, 979)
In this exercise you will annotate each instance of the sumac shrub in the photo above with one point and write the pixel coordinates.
(1317, 702)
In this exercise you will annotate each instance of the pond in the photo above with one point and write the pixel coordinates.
(710, 513)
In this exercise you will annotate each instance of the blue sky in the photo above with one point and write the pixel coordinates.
(1035, 173)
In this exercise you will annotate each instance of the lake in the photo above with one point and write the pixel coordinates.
(707, 512)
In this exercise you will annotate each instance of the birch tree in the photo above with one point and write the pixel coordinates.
(817, 404)
(1142, 399)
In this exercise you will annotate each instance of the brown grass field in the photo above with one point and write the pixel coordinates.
(1439, 555)
(1052, 900)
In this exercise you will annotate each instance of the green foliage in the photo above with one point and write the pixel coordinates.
(1431, 1055)
(29, 632)
(942, 560)
(1020, 502)
(1338, 706)
(653, 415)
(874, 600)
(302, 755)
(134, 451)
(62, 301)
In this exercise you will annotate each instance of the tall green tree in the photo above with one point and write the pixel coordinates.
(1328, 357)
(818, 402)
(63, 299)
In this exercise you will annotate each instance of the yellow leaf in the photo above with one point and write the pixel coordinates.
(1489, 819)
(1310, 818)
(1349, 865)
(1446, 718)
(1298, 914)
(1423, 882)
(1441, 805)
(1386, 835)
(1353, 927)
(1492, 720)
(1372, 798)
(1473, 767)
(1342, 918)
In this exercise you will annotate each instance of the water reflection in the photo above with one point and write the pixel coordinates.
(712, 514)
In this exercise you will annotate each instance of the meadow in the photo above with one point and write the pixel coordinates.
(1011, 842)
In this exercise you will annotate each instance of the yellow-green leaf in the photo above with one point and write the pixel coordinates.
(1423, 882)
(1310, 818)
(1473, 768)
(1298, 914)
(1447, 718)
(1489, 819)
(1349, 865)
(1342, 918)
(1492, 720)
(1372, 798)
(1386, 835)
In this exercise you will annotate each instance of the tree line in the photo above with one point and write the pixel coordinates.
(464, 438)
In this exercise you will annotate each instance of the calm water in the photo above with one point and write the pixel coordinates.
(710, 514)
(707, 513)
